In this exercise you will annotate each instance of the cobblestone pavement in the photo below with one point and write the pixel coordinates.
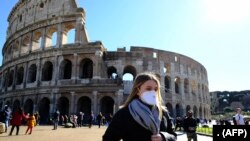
(45, 133)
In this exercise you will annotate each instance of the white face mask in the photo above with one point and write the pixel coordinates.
(149, 97)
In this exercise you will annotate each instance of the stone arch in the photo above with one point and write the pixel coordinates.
(194, 87)
(186, 86)
(44, 110)
(177, 85)
(28, 106)
(170, 109)
(63, 105)
(188, 108)
(32, 73)
(37, 40)
(68, 28)
(167, 68)
(86, 68)
(10, 78)
(107, 105)
(25, 44)
(16, 104)
(65, 70)
(51, 34)
(84, 105)
(130, 70)
(195, 111)
(200, 112)
(178, 109)
(15, 52)
(20, 75)
(112, 72)
(47, 71)
(167, 82)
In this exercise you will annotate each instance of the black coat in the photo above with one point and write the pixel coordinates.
(123, 126)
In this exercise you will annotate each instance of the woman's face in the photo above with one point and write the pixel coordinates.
(148, 86)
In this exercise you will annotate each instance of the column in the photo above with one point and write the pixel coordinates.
(96, 69)
(95, 103)
(43, 41)
(78, 35)
(59, 36)
(75, 69)
(55, 76)
(172, 88)
(20, 46)
(72, 102)
(25, 77)
(30, 42)
(119, 99)
(182, 88)
(39, 72)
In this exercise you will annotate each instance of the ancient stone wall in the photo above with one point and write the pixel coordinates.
(42, 71)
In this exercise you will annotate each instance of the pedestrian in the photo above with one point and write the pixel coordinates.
(6, 117)
(190, 125)
(239, 117)
(80, 119)
(178, 123)
(99, 119)
(17, 117)
(91, 118)
(109, 118)
(31, 122)
(37, 117)
(143, 116)
(56, 116)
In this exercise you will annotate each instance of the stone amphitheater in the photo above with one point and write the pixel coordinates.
(43, 71)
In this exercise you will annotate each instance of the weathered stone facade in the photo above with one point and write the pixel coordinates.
(83, 76)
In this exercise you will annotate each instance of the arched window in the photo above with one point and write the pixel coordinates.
(47, 71)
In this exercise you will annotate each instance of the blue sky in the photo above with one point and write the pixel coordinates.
(215, 33)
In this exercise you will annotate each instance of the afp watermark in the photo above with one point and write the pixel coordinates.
(231, 133)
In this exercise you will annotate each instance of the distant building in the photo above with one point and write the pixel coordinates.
(41, 75)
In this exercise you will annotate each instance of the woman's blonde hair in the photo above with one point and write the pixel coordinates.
(141, 79)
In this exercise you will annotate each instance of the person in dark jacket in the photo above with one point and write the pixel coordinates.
(6, 117)
(99, 119)
(190, 125)
(143, 116)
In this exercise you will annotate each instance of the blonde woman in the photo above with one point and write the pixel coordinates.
(143, 116)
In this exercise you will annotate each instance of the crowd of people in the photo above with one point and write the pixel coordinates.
(14, 119)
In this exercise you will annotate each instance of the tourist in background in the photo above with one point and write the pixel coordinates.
(239, 117)
(91, 119)
(6, 117)
(99, 119)
(31, 122)
(190, 125)
(56, 117)
(16, 120)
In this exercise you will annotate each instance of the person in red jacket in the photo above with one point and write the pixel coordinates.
(16, 120)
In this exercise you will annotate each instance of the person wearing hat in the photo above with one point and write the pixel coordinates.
(190, 125)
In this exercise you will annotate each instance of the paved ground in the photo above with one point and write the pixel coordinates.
(45, 133)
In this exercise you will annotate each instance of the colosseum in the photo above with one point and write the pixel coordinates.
(42, 71)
